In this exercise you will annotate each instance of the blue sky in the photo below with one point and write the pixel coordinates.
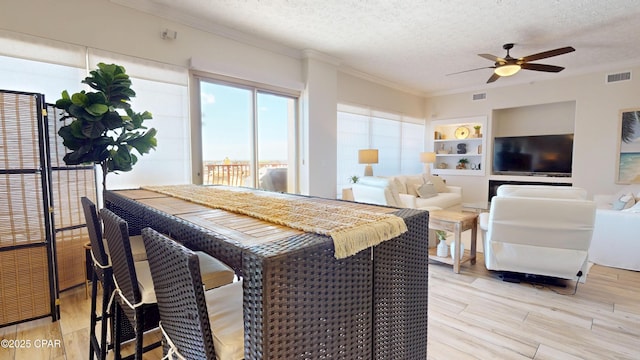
(226, 124)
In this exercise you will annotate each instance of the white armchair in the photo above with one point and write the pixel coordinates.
(539, 229)
(615, 235)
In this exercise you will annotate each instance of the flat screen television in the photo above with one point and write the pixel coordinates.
(549, 155)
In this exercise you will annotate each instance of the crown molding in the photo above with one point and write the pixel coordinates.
(317, 55)
(381, 81)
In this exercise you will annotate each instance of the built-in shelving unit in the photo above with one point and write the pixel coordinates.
(448, 135)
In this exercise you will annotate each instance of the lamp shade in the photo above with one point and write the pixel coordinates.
(427, 157)
(368, 156)
(507, 70)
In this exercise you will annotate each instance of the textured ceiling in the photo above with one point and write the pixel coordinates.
(416, 43)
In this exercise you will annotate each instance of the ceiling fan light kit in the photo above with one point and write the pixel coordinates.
(509, 66)
(507, 70)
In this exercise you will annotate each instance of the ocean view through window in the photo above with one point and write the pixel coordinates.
(247, 136)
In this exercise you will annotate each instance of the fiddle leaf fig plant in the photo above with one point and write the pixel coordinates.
(105, 129)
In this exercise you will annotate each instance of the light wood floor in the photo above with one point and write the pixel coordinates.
(472, 315)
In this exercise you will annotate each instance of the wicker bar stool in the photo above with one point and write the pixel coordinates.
(132, 284)
(102, 274)
(196, 324)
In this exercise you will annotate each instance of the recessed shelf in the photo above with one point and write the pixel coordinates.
(447, 129)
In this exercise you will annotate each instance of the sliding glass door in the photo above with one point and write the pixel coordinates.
(247, 136)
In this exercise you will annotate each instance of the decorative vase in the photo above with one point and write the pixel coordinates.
(453, 249)
(442, 249)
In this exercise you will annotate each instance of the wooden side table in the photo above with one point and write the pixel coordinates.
(455, 222)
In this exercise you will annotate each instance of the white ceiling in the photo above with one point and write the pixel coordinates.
(415, 43)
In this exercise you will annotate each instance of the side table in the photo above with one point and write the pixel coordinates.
(455, 222)
(347, 194)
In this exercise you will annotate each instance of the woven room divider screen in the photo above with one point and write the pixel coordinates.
(69, 184)
(27, 284)
(42, 226)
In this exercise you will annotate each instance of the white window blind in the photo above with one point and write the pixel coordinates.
(162, 90)
(399, 140)
(34, 64)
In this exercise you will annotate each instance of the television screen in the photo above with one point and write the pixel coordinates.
(541, 154)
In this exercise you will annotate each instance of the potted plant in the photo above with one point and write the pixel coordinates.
(477, 129)
(462, 163)
(354, 179)
(105, 129)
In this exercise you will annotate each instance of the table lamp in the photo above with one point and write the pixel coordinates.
(368, 157)
(427, 158)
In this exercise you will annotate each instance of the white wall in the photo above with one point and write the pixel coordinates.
(546, 119)
(358, 91)
(319, 128)
(597, 107)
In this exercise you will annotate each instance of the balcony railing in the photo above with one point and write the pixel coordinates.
(232, 174)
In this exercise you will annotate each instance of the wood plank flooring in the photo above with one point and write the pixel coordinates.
(472, 315)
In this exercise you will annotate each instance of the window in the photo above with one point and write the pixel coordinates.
(247, 135)
(399, 140)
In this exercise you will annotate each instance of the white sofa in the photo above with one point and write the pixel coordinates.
(539, 229)
(400, 191)
(616, 236)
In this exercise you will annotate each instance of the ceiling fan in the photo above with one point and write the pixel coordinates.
(508, 65)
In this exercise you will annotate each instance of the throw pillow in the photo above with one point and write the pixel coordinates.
(439, 184)
(400, 186)
(625, 201)
(634, 209)
(426, 191)
(395, 193)
(413, 182)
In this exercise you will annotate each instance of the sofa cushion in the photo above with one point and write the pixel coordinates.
(443, 200)
(426, 191)
(438, 183)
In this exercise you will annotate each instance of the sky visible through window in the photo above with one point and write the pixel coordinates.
(227, 124)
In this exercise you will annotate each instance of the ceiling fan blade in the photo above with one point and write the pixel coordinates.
(493, 78)
(547, 54)
(542, 67)
(491, 57)
(460, 72)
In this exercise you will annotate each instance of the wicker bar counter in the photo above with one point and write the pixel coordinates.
(300, 302)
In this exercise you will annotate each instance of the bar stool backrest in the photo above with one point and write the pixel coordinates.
(95, 232)
(181, 302)
(116, 232)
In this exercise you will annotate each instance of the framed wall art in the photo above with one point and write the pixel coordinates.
(629, 147)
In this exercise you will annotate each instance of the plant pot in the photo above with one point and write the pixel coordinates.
(453, 249)
(442, 250)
